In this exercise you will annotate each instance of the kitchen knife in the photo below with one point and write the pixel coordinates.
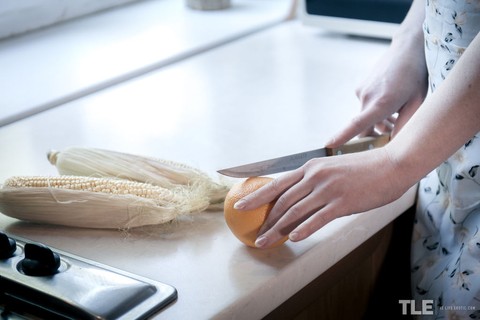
(295, 161)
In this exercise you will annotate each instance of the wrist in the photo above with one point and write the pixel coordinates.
(403, 166)
(408, 39)
(411, 28)
(409, 45)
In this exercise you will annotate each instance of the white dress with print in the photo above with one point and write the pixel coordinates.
(446, 237)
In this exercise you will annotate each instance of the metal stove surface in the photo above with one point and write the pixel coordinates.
(38, 282)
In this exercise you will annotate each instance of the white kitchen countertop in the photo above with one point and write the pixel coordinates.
(51, 66)
(280, 91)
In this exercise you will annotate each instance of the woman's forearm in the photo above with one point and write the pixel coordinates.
(447, 119)
(409, 39)
(411, 26)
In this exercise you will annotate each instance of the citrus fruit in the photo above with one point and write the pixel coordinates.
(245, 224)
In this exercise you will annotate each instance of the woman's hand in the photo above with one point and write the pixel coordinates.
(322, 190)
(389, 96)
(397, 85)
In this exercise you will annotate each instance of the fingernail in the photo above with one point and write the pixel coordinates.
(239, 205)
(331, 141)
(293, 236)
(260, 242)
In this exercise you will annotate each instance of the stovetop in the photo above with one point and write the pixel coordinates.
(39, 282)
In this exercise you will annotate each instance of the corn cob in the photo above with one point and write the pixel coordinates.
(94, 202)
(105, 163)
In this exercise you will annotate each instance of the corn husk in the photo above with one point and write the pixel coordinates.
(95, 162)
(60, 205)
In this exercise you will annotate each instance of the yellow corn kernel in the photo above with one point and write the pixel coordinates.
(79, 183)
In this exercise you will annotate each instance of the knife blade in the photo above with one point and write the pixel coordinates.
(294, 161)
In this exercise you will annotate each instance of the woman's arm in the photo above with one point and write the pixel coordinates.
(447, 119)
(397, 84)
(328, 188)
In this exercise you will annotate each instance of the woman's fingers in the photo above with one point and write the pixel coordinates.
(288, 221)
(364, 124)
(291, 196)
(291, 204)
(385, 126)
(269, 192)
(316, 221)
(296, 205)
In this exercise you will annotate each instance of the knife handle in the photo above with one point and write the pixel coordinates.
(361, 144)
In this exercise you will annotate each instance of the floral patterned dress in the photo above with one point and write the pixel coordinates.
(446, 237)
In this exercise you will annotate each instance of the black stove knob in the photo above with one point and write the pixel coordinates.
(8, 246)
(39, 260)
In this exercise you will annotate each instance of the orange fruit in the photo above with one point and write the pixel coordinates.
(245, 224)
